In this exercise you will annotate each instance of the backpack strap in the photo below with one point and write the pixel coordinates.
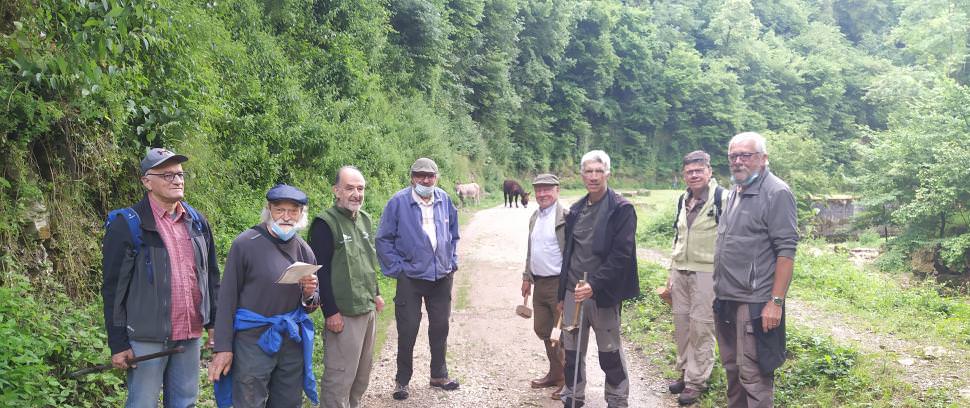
(134, 227)
(194, 215)
(718, 192)
(680, 206)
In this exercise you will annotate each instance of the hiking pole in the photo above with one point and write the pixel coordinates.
(579, 340)
(103, 367)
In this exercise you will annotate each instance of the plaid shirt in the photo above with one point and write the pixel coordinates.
(186, 297)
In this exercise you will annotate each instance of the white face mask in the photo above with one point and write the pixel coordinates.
(746, 182)
(422, 191)
(281, 234)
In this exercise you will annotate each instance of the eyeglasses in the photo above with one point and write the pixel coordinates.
(746, 156)
(280, 211)
(170, 177)
(423, 176)
(694, 172)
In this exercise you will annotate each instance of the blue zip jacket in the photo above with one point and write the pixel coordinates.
(296, 325)
(404, 248)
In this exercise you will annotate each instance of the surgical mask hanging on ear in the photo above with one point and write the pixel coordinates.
(746, 182)
(422, 191)
(281, 234)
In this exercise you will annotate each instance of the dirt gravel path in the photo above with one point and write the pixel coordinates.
(493, 352)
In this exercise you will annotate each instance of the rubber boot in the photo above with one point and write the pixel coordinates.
(555, 375)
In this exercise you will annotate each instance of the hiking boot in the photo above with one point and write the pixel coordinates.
(401, 392)
(688, 396)
(444, 383)
(677, 387)
(568, 403)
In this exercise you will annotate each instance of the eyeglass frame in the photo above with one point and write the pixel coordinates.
(170, 177)
(744, 156)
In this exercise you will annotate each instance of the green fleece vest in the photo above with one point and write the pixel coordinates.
(694, 251)
(354, 266)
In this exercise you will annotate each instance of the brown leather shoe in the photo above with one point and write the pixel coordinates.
(557, 393)
(546, 382)
(689, 396)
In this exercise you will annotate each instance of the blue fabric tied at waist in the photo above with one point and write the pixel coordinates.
(296, 325)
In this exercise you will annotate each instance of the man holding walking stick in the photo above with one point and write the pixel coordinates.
(600, 245)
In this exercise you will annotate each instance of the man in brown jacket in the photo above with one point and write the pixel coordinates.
(543, 264)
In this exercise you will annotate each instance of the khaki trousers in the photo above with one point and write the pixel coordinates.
(747, 387)
(693, 300)
(348, 357)
(545, 296)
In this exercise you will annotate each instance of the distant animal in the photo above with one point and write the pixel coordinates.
(512, 191)
(471, 191)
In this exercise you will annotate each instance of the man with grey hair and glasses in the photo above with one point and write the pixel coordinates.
(601, 245)
(160, 283)
(264, 336)
(753, 264)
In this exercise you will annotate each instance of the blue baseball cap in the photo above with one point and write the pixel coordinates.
(286, 192)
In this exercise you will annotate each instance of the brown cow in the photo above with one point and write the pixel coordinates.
(511, 190)
(470, 190)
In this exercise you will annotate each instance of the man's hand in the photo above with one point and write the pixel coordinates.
(309, 285)
(211, 339)
(583, 291)
(120, 359)
(770, 316)
(335, 323)
(220, 365)
(526, 288)
(379, 303)
(559, 308)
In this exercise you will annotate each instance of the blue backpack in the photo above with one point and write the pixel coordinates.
(134, 226)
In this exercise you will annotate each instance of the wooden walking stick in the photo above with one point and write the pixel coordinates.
(103, 367)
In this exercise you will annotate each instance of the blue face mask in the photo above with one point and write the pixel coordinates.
(746, 182)
(422, 191)
(283, 235)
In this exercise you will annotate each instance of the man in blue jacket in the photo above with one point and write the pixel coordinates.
(417, 243)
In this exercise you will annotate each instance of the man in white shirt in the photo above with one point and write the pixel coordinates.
(542, 267)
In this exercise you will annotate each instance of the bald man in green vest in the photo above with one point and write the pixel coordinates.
(342, 238)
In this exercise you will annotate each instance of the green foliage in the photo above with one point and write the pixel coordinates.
(45, 340)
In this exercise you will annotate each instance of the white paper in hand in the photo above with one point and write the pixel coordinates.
(294, 272)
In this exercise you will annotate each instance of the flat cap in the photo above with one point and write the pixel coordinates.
(697, 156)
(546, 179)
(158, 155)
(424, 165)
(286, 192)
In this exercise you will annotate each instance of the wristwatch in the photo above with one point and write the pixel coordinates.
(780, 301)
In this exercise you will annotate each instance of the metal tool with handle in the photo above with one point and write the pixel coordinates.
(103, 367)
(578, 324)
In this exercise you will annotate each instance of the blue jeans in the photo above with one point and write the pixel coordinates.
(178, 372)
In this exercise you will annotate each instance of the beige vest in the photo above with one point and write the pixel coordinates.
(694, 250)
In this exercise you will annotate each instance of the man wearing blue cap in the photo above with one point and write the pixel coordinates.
(160, 285)
(417, 243)
(264, 338)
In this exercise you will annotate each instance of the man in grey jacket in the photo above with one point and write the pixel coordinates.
(753, 264)
(543, 264)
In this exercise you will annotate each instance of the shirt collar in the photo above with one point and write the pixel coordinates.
(546, 211)
(159, 211)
